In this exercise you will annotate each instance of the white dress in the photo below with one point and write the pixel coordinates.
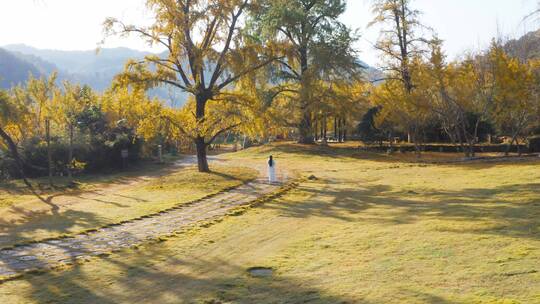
(272, 172)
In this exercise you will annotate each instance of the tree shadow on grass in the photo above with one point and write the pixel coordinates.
(18, 231)
(427, 298)
(65, 187)
(46, 254)
(52, 219)
(159, 276)
(352, 153)
(380, 204)
(225, 176)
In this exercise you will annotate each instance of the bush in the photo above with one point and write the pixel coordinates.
(97, 146)
(8, 167)
(535, 130)
(34, 152)
(534, 144)
(104, 143)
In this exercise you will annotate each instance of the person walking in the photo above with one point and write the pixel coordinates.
(271, 170)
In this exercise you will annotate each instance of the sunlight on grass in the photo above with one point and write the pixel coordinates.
(368, 230)
(124, 198)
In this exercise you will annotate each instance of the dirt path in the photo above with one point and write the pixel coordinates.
(48, 254)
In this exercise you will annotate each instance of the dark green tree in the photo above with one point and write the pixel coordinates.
(366, 127)
(317, 47)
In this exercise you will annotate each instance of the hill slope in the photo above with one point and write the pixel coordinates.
(96, 69)
(526, 47)
(14, 70)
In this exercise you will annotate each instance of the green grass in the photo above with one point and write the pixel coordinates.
(371, 229)
(103, 200)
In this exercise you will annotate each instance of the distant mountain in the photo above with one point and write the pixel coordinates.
(44, 67)
(14, 70)
(96, 69)
(82, 62)
(526, 47)
(372, 74)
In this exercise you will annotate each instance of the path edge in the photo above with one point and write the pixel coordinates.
(237, 211)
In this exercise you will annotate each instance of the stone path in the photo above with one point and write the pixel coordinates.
(47, 254)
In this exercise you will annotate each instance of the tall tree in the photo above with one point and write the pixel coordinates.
(401, 38)
(206, 54)
(514, 101)
(455, 98)
(408, 111)
(402, 44)
(41, 92)
(317, 47)
(71, 101)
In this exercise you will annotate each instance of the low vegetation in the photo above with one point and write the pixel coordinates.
(367, 229)
(100, 200)
(370, 222)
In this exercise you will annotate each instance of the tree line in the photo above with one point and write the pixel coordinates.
(261, 68)
(50, 129)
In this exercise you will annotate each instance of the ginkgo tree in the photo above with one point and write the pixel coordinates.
(402, 45)
(41, 92)
(206, 53)
(514, 99)
(316, 47)
(71, 100)
(407, 111)
(456, 101)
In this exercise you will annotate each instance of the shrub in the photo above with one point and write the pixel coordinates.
(97, 146)
(34, 152)
(534, 144)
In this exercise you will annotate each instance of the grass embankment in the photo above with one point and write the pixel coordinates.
(371, 229)
(105, 199)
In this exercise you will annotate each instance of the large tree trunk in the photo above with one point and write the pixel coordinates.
(200, 143)
(202, 161)
(305, 132)
(15, 153)
(304, 128)
(340, 130)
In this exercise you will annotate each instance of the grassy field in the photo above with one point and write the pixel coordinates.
(369, 229)
(99, 200)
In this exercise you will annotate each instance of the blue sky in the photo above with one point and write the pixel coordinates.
(76, 24)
